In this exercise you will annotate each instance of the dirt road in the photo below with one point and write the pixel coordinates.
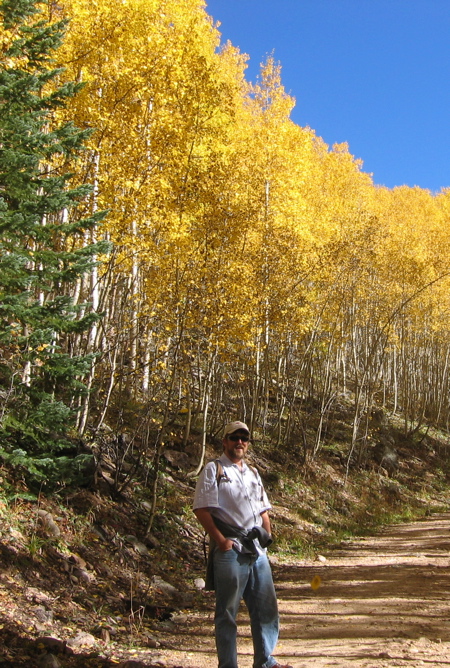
(383, 602)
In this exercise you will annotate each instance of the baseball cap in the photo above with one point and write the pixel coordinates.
(235, 426)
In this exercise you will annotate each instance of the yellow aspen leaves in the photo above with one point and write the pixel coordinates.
(235, 230)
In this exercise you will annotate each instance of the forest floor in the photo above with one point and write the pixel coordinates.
(383, 601)
(83, 584)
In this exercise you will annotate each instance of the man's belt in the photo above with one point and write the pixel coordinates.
(245, 536)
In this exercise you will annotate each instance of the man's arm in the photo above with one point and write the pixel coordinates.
(205, 518)
(266, 521)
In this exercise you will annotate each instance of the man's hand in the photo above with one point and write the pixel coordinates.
(266, 522)
(207, 522)
(225, 545)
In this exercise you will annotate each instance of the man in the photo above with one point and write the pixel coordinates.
(231, 505)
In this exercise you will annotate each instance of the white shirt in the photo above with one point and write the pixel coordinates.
(238, 499)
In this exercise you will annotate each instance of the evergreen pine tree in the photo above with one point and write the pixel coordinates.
(43, 250)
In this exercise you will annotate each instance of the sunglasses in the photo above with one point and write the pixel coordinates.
(236, 437)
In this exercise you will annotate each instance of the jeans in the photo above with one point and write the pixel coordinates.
(238, 576)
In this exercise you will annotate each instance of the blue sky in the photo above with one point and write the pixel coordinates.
(373, 73)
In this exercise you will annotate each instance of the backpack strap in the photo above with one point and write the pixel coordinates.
(219, 471)
(221, 474)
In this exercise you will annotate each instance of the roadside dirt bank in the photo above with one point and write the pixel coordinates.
(383, 601)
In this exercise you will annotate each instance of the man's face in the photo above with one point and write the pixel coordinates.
(235, 445)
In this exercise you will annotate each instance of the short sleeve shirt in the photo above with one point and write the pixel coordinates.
(239, 498)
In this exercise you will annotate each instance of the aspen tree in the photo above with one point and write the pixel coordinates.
(255, 270)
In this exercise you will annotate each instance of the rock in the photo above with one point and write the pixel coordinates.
(84, 575)
(99, 534)
(386, 456)
(33, 594)
(42, 615)
(108, 479)
(49, 524)
(180, 618)
(321, 558)
(152, 542)
(178, 459)
(165, 587)
(104, 571)
(139, 547)
(40, 628)
(199, 583)
(53, 644)
(150, 641)
(77, 561)
(82, 639)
